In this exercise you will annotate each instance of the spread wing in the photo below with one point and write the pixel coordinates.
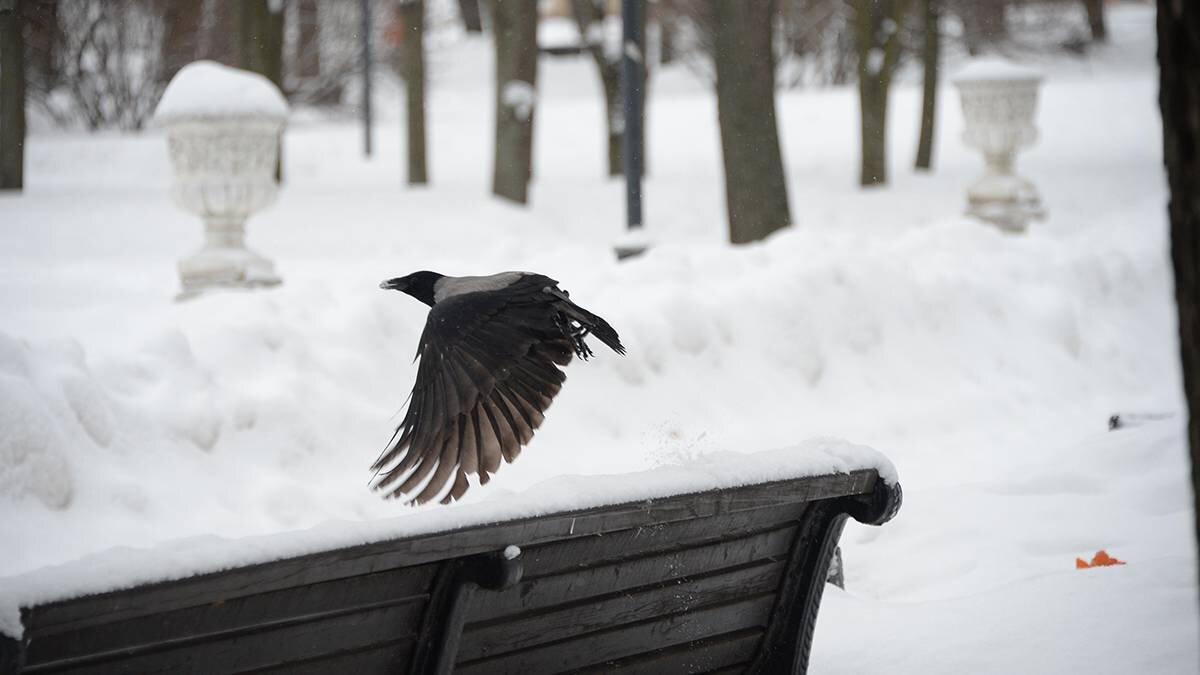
(488, 371)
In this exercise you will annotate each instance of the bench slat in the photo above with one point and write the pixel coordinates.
(542, 592)
(261, 649)
(578, 553)
(243, 614)
(628, 640)
(389, 657)
(725, 654)
(604, 613)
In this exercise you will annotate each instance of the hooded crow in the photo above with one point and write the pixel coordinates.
(489, 356)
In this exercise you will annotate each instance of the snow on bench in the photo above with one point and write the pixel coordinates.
(719, 565)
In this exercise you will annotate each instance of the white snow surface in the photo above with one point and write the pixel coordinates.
(211, 89)
(983, 365)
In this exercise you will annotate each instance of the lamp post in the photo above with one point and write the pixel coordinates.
(365, 8)
(632, 62)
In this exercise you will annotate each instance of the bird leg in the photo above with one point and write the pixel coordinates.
(576, 332)
(581, 348)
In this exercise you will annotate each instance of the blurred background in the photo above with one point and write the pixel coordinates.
(816, 262)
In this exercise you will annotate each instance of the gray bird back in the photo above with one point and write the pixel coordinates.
(448, 287)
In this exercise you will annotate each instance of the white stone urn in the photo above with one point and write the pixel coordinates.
(223, 127)
(999, 100)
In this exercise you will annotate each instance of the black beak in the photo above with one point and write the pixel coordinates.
(396, 284)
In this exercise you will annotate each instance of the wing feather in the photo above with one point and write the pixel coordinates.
(489, 369)
(477, 434)
(445, 468)
(489, 436)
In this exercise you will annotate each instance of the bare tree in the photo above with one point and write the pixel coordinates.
(877, 27)
(984, 23)
(667, 18)
(930, 55)
(514, 23)
(755, 189)
(260, 38)
(308, 43)
(181, 38)
(107, 64)
(468, 10)
(12, 97)
(41, 44)
(1095, 15)
(589, 16)
(259, 28)
(412, 47)
(819, 40)
(1179, 99)
(328, 51)
(217, 31)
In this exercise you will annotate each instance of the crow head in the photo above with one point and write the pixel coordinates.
(418, 284)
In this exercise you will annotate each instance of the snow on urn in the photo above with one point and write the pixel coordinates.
(223, 127)
(999, 99)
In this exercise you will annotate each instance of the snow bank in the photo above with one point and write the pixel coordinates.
(210, 89)
(123, 567)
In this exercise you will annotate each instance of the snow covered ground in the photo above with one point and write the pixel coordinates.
(985, 366)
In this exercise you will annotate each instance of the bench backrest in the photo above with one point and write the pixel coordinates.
(721, 580)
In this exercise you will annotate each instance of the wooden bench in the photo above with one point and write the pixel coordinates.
(720, 581)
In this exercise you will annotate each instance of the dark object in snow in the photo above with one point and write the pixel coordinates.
(727, 580)
(489, 369)
(1122, 420)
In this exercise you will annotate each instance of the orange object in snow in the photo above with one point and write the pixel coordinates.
(1101, 559)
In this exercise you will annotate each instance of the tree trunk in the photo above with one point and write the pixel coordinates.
(589, 14)
(878, 53)
(873, 101)
(666, 39)
(469, 11)
(12, 99)
(984, 24)
(412, 14)
(41, 36)
(755, 189)
(181, 36)
(1179, 98)
(308, 47)
(260, 39)
(514, 23)
(930, 54)
(1095, 15)
(260, 48)
(218, 35)
(614, 120)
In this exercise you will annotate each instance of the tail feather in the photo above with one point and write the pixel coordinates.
(592, 323)
(600, 328)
